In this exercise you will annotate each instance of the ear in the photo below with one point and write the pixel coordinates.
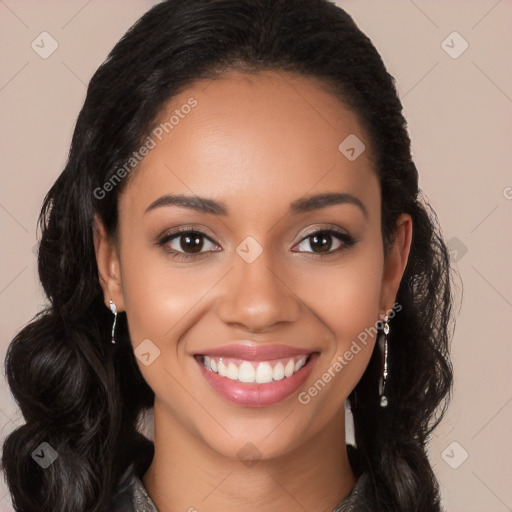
(396, 261)
(109, 270)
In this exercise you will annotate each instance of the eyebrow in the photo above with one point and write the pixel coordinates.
(302, 205)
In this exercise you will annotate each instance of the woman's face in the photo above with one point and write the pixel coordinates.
(273, 276)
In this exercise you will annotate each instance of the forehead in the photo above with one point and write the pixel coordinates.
(253, 140)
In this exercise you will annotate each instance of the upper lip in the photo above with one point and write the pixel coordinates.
(255, 352)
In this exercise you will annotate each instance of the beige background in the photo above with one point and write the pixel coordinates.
(459, 112)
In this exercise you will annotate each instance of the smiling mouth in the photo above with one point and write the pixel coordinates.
(254, 372)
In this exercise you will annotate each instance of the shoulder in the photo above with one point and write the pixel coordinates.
(360, 498)
(130, 494)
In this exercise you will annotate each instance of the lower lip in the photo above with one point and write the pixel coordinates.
(258, 395)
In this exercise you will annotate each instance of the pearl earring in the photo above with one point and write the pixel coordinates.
(384, 376)
(113, 308)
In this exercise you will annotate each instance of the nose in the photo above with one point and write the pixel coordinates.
(256, 296)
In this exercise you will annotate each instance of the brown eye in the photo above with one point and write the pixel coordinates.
(321, 242)
(191, 243)
(326, 241)
(187, 244)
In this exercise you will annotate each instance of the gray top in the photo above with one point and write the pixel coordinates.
(131, 496)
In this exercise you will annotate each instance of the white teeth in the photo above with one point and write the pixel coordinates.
(300, 363)
(264, 373)
(288, 369)
(278, 372)
(246, 372)
(232, 371)
(221, 369)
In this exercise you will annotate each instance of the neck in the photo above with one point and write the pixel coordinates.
(187, 475)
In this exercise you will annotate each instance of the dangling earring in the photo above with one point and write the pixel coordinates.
(384, 376)
(113, 308)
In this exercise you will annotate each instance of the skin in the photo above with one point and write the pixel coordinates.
(256, 143)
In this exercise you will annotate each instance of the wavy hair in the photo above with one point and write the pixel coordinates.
(84, 396)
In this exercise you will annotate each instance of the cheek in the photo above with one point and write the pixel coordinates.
(159, 294)
(161, 300)
(346, 297)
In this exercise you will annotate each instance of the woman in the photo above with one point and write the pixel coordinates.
(237, 241)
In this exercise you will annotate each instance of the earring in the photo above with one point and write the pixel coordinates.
(113, 308)
(384, 376)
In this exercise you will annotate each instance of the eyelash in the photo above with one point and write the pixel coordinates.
(347, 240)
